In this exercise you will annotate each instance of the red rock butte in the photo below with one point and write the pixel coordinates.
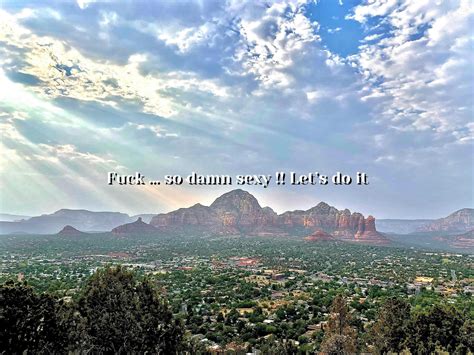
(238, 212)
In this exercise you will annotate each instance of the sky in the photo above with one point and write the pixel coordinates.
(237, 87)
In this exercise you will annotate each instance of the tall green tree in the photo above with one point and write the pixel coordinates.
(337, 344)
(122, 313)
(30, 322)
(441, 327)
(390, 329)
(274, 346)
(340, 337)
(466, 340)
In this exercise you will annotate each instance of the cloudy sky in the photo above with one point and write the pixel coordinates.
(237, 87)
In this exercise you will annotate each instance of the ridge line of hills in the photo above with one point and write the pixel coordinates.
(238, 212)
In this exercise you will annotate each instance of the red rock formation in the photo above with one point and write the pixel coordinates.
(319, 236)
(238, 212)
(367, 233)
(232, 213)
(459, 221)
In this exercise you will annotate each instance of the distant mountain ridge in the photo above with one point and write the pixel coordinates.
(457, 222)
(239, 213)
(7, 217)
(454, 232)
(84, 220)
(401, 226)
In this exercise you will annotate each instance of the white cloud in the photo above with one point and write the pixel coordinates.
(334, 30)
(373, 8)
(270, 41)
(385, 158)
(69, 152)
(372, 37)
(156, 130)
(84, 4)
(64, 72)
(239, 79)
(186, 38)
(421, 73)
(315, 95)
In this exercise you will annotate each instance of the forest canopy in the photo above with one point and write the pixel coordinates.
(120, 311)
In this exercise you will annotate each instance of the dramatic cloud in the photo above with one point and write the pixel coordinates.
(61, 71)
(236, 87)
(419, 72)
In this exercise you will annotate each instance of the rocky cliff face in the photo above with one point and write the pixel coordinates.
(459, 221)
(367, 233)
(232, 213)
(238, 212)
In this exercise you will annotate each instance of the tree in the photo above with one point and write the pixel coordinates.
(337, 344)
(340, 317)
(441, 327)
(390, 329)
(340, 337)
(466, 339)
(192, 345)
(30, 322)
(122, 313)
(277, 347)
(220, 317)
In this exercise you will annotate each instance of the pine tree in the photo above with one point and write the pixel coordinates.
(340, 337)
(30, 322)
(121, 313)
(390, 329)
(441, 327)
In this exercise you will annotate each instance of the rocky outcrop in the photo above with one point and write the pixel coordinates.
(232, 213)
(135, 228)
(197, 217)
(367, 233)
(238, 212)
(459, 221)
(70, 231)
(319, 236)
